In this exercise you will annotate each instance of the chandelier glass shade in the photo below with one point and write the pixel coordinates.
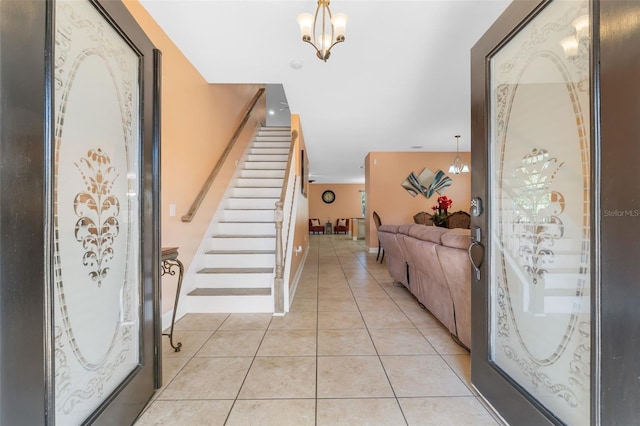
(458, 166)
(571, 44)
(324, 30)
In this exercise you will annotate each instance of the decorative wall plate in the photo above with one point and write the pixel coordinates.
(328, 196)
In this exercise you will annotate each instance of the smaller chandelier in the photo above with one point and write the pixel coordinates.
(571, 44)
(323, 31)
(458, 166)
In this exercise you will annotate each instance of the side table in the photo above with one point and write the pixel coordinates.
(328, 228)
(169, 261)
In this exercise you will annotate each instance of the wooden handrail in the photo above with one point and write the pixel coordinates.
(212, 176)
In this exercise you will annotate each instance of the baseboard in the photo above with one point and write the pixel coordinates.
(373, 250)
(166, 319)
(296, 277)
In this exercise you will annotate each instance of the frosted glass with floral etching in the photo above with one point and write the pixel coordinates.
(96, 211)
(540, 221)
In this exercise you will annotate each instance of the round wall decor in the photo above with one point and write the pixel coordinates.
(328, 196)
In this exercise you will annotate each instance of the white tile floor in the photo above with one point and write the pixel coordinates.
(354, 350)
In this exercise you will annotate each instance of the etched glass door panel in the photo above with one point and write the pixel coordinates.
(539, 210)
(96, 210)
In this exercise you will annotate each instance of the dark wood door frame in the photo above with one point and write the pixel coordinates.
(619, 212)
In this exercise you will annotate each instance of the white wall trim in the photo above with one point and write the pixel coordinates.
(296, 278)
(166, 319)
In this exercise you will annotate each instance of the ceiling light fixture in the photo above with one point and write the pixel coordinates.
(571, 44)
(323, 31)
(458, 166)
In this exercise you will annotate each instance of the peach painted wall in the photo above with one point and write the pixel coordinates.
(198, 120)
(384, 174)
(301, 236)
(346, 205)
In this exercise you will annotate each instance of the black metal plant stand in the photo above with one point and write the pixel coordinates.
(169, 262)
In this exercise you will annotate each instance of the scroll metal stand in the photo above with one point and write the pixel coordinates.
(169, 262)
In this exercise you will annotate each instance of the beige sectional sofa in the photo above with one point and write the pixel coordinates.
(433, 264)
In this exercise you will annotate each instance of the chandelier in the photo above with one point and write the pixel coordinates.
(458, 166)
(323, 31)
(571, 44)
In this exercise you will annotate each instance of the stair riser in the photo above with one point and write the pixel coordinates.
(271, 144)
(561, 281)
(269, 151)
(273, 138)
(258, 183)
(230, 304)
(281, 130)
(242, 243)
(248, 216)
(252, 203)
(267, 174)
(268, 158)
(269, 165)
(562, 305)
(234, 280)
(256, 192)
(246, 228)
(239, 261)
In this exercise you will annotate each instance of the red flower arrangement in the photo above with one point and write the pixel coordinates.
(440, 210)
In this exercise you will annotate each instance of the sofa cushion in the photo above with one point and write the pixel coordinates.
(457, 238)
(315, 222)
(342, 222)
(393, 229)
(405, 227)
(427, 233)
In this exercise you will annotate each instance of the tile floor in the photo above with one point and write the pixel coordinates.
(354, 350)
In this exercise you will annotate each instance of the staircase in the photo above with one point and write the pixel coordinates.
(236, 267)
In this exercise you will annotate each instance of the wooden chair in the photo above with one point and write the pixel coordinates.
(378, 222)
(315, 226)
(423, 218)
(459, 219)
(342, 225)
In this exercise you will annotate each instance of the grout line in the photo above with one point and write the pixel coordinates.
(351, 258)
(248, 370)
(395, 396)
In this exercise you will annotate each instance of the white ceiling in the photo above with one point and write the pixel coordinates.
(401, 78)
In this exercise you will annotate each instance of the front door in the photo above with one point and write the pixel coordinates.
(104, 214)
(531, 145)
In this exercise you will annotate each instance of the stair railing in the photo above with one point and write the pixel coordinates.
(283, 216)
(216, 169)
